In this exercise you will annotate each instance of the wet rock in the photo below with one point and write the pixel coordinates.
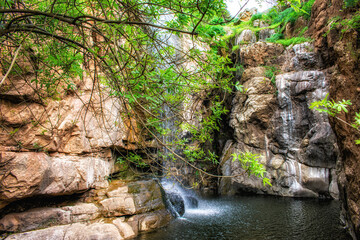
(246, 15)
(148, 196)
(22, 174)
(19, 90)
(52, 233)
(18, 114)
(320, 150)
(253, 72)
(177, 203)
(43, 217)
(154, 220)
(117, 199)
(64, 126)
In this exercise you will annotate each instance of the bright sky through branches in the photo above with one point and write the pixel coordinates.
(233, 6)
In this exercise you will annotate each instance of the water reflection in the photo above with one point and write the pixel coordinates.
(254, 217)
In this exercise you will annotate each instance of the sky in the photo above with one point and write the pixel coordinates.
(233, 6)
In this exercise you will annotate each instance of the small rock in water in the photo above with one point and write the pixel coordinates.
(177, 202)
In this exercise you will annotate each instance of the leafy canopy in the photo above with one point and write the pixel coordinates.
(154, 56)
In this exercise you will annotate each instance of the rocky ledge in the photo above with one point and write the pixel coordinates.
(115, 210)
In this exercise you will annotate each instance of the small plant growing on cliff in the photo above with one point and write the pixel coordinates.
(270, 73)
(334, 108)
(330, 107)
(250, 163)
(240, 87)
(346, 24)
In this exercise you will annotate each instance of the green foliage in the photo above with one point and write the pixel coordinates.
(256, 17)
(240, 87)
(288, 15)
(37, 147)
(297, 10)
(293, 41)
(211, 30)
(250, 163)
(302, 31)
(330, 107)
(196, 154)
(351, 3)
(13, 132)
(208, 125)
(275, 37)
(235, 48)
(334, 108)
(270, 73)
(132, 158)
(345, 25)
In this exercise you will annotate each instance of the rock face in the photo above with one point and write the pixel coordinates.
(340, 51)
(56, 154)
(297, 145)
(260, 53)
(120, 210)
(27, 174)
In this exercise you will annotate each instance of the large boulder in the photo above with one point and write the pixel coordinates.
(27, 174)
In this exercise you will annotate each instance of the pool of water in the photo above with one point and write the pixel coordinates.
(256, 217)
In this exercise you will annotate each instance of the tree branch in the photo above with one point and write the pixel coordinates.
(11, 65)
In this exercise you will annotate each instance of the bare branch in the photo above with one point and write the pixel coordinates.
(11, 65)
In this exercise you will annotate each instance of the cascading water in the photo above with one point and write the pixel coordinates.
(167, 39)
(179, 200)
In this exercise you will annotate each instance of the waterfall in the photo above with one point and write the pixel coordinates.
(179, 200)
(294, 170)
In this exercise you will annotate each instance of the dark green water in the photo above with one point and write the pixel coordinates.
(254, 217)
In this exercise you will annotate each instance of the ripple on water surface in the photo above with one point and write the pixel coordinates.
(254, 217)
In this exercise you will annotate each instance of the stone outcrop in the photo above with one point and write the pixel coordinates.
(260, 53)
(120, 210)
(297, 145)
(28, 174)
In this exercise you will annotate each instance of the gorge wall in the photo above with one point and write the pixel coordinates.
(340, 53)
(306, 154)
(272, 118)
(55, 165)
